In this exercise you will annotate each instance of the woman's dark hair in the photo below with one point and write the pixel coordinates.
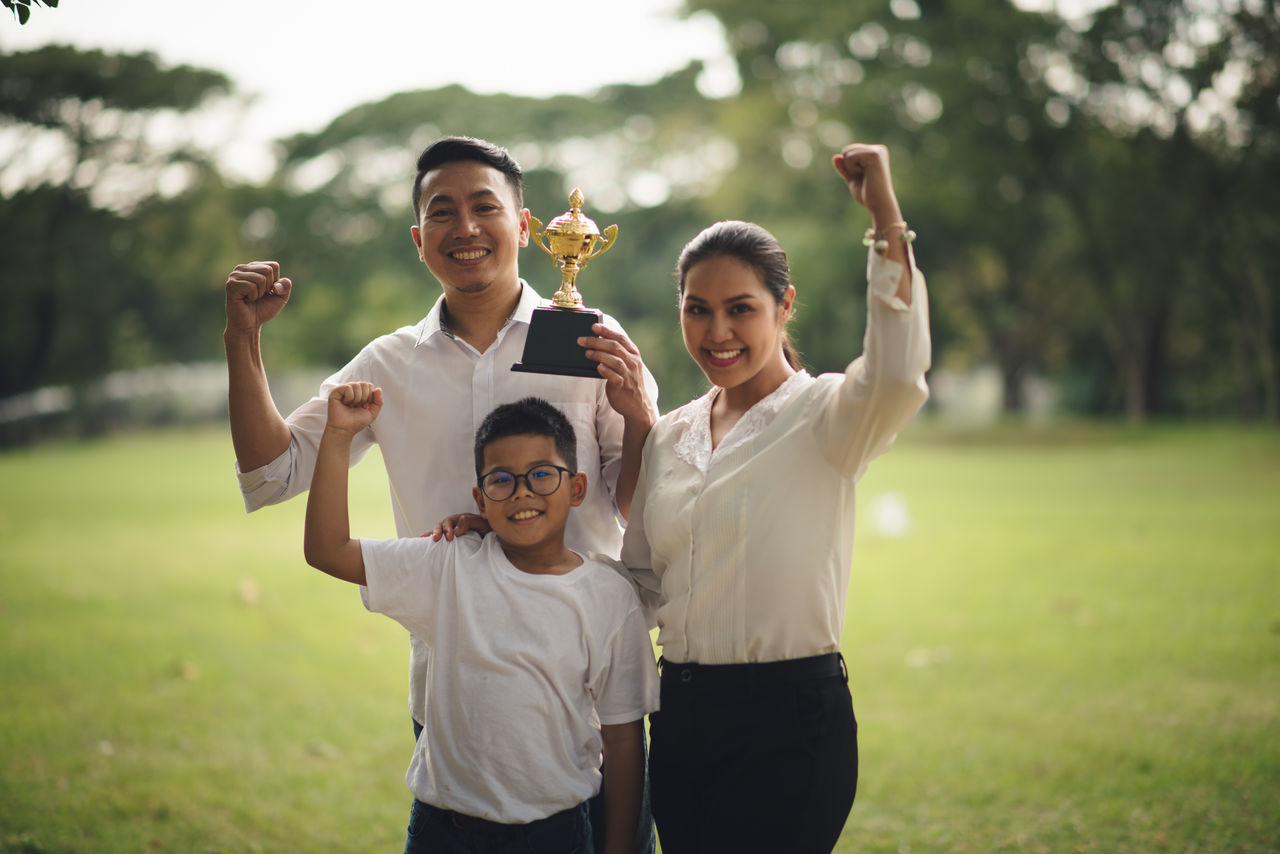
(753, 246)
(451, 149)
(531, 416)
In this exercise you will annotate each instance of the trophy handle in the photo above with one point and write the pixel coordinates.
(608, 237)
(539, 235)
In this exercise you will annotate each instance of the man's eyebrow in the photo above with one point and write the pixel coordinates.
(478, 194)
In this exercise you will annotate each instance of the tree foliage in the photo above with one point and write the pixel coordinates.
(73, 266)
(1094, 197)
(1188, 95)
(1052, 168)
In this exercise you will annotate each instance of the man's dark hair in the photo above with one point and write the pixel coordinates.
(451, 149)
(531, 416)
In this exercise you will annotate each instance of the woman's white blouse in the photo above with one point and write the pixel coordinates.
(746, 550)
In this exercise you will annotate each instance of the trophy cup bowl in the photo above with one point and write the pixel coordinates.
(552, 346)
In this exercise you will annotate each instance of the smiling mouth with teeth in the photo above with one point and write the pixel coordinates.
(469, 255)
(725, 354)
(525, 514)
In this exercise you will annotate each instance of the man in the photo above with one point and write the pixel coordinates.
(444, 374)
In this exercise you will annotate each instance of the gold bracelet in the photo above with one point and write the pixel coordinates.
(878, 242)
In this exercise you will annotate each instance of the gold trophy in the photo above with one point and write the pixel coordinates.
(552, 345)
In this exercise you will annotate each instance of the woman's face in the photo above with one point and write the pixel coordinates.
(732, 325)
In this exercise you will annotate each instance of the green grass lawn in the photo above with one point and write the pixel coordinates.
(1074, 646)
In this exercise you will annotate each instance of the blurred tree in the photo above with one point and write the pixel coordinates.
(183, 245)
(56, 323)
(1190, 93)
(1047, 166)
(80, 129)
(948, 86)
(1094, 197)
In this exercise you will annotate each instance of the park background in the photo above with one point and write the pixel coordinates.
(1063, 626)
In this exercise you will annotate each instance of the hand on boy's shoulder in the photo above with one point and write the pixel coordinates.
(469, 541)
(457, 525)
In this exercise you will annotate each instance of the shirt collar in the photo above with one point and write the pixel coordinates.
(694, 446)
(436, 322)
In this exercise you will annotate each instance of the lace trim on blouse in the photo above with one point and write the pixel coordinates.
(694, 446)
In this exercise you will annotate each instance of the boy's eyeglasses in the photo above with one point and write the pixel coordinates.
(500, 485)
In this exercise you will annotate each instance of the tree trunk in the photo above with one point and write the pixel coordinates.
(1262, 323)
(1155, 362)
(1135, 389)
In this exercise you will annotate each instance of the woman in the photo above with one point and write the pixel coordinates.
(742, 530)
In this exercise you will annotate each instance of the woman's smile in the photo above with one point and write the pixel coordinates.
(724, 358)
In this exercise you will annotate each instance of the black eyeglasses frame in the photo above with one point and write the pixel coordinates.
(516, 478)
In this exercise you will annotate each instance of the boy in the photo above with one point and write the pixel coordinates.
(510, 751)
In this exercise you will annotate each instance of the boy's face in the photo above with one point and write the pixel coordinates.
(470, 227)
(526, 518)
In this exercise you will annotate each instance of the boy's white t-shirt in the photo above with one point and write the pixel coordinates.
(524, 669)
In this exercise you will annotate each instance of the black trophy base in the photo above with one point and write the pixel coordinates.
(552, 346)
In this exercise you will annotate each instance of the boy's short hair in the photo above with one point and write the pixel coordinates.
(451, 149)
(531, 416)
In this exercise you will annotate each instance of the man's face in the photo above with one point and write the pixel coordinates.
(470, 228)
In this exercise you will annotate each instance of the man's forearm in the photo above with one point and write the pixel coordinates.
(633, 438)
(259, 433)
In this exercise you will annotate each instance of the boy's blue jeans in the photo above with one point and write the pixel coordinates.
(646, 838)
(437, 831)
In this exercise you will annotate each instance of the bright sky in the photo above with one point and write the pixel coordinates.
(307, 61)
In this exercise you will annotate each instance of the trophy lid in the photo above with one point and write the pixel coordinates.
(572, 223)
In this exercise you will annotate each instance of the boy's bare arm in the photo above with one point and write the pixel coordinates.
(327, 541)
(633, 436)
(623, 784)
